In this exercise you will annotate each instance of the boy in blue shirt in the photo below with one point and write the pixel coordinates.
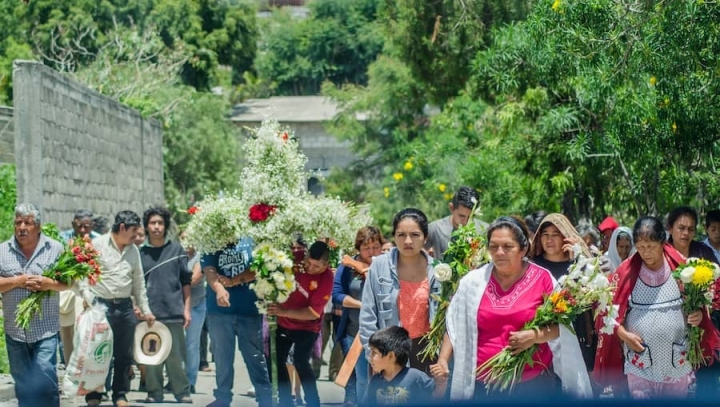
(395, 383)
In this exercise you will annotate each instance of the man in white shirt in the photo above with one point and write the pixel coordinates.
(122, 278)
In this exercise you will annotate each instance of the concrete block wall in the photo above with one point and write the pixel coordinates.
(7, 136)
(76, 148)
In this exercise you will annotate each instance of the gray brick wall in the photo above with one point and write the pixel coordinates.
(7, 135)
(78, 149)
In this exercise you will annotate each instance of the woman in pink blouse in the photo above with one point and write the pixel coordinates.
(487, 315)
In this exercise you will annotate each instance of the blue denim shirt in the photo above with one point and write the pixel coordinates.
(379, 300)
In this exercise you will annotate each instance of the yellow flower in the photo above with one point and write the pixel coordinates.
(554, 297)
(447, 196)
(288, 285)
(703, 275)
(442, 187)
(408, 166)
(674, 127)
(556, 5)
(561, 306)
(398, 176)
(653, 80)
(386, 191)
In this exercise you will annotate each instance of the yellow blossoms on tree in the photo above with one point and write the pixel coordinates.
(653, 80)
(408, 166)
(447, 196)
(398, 176)
(556, 6)
(386, 192)
(442, 187)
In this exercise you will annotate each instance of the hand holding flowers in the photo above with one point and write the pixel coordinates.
(696, 279)
(585, 287)
(78, 261)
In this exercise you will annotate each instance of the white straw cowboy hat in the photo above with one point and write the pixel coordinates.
(152, 343)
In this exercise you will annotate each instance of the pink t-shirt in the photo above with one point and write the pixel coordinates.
(413, 307)
(503, 312)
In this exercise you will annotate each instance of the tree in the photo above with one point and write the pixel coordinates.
(337, 42)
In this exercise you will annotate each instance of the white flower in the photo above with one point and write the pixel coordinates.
(584, 280)
(686, 275)
(562, 279)
(271, 265)
(692, 260)
(716, 271)
(709, 295)
(577, 250)
(600, 282)
(609, 320)
(443, 272)
(279, 278)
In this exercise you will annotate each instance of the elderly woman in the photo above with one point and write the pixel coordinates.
(487, 315)
(347, 292)
(621, 247)
(650, 342)
(400, 285)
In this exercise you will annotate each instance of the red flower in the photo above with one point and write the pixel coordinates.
(193, 210)
(261, 212)
(285, 136)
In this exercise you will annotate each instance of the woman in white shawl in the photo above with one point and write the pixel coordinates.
(621, 247)
(488, 312)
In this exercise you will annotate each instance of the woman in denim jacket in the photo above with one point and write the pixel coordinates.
(400, 286)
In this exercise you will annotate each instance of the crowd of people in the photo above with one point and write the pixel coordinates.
(374, 309)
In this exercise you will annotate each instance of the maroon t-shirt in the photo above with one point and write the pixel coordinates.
(313, 291)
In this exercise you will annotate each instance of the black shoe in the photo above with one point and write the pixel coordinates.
(167, 388)
(192, 390)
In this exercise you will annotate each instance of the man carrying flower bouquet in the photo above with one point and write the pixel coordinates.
(232, 316)
(299, 321)
(122, 278)
(31, 351)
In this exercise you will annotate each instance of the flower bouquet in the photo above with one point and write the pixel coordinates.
(696, 279)
(584, 287)
(274, 278)
(467, 251)
(78, 261)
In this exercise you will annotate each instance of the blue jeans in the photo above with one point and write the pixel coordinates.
(362, 377)
(192, 341)
(225, 330)
(33, 366)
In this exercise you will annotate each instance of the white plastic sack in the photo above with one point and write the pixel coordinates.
(90, 361)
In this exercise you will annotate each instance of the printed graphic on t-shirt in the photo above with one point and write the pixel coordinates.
(392, 395)
(232, 262)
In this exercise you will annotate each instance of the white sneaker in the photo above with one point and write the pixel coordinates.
(251, 392)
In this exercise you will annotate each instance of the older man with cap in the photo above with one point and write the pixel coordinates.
(32, 351)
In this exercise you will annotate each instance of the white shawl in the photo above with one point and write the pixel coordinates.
(462, 329)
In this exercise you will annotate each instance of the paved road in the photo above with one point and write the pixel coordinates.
(330, 393)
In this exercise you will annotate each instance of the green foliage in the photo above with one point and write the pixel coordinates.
(8, 200)
(4, 362)
(69, 35)
(586, 108)
(336, 43)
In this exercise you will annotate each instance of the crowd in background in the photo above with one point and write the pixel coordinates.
(358, 308)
